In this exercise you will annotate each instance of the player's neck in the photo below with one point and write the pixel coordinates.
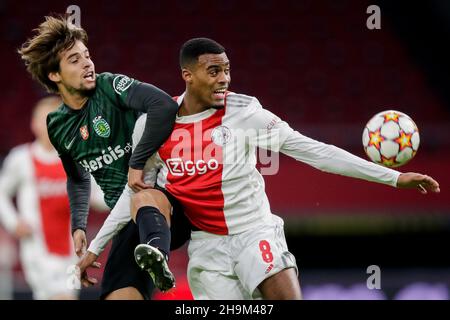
(74, 101)
(191, 106)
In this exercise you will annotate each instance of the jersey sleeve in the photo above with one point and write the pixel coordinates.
(138, 130)
(276, 135)
(161, 112)
(263, 128)
(151, 165)
(329, 158)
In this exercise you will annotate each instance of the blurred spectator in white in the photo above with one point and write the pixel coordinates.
(33, 173)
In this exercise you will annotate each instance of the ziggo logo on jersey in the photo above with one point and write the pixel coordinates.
(178, 167)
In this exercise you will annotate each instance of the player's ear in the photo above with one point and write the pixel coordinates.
(186, 75)
(54, 76)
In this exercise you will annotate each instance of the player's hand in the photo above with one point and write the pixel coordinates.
(88, 261)
(79, 242)
(418, 181)
(23, 230)
(136, 181)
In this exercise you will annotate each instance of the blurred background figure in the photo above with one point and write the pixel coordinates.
(40, 220)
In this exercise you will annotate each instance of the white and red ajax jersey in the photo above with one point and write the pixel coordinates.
(208, 163)
(37, 179)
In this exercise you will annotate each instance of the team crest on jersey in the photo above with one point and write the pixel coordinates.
(221, 135)
(84, 132)
(121, 83)
(101, 127)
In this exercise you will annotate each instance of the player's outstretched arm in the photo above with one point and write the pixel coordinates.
(78, 190)
(418, 181)
(330, 158)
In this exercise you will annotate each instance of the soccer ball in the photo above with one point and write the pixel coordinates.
(391, 138)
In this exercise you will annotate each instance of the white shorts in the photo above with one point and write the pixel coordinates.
(49, 275)
(232, 267)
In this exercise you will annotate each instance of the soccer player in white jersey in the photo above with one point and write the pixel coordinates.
(238, 249)
(34, 174)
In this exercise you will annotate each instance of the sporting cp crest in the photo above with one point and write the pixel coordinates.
(101, 127)
(84, 132)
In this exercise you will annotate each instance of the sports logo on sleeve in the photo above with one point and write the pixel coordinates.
(101, 127)
(122, 83)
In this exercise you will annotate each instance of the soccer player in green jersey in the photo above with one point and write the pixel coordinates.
(92, 132)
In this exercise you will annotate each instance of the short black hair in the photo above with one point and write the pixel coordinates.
(193, 48)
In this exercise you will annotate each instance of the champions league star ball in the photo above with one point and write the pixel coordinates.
(391, 138)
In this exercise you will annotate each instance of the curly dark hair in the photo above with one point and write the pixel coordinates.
(41, 53)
